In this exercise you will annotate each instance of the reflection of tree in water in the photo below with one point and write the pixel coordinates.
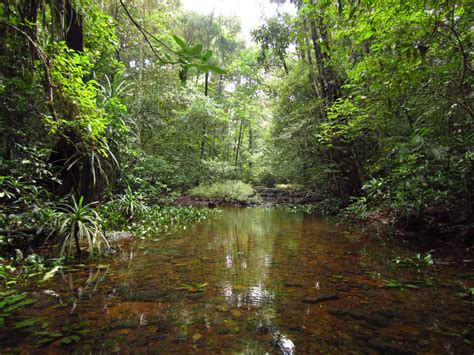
(244, 246)
(84, 282)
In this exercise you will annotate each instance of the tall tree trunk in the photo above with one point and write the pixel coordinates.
(204, 128)
(328, 84)
(283, 61)
(76, 176)
(312, 75)
(29, 14)
(239, 141)
(74, 27)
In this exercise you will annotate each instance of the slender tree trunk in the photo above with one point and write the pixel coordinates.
(250, 144)
(4, 29)
(283, 61)
(239, 140)
(312, 75)
(204, 128)
(30, 14)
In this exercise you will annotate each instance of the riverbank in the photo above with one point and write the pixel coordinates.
(432, 230)
(260, 196)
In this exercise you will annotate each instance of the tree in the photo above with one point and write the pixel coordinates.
(383, 89)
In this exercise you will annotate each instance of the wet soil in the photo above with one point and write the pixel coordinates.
(253, 280)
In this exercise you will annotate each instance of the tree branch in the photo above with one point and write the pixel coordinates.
(145, 34)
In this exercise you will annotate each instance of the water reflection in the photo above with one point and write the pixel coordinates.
(248, 258)
(253, 281)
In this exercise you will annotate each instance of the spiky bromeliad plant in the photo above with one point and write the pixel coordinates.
(79, 223)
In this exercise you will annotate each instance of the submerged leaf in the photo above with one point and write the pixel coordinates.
(26, 323)
(50, 274)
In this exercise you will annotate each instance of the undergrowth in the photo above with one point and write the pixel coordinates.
(229, 190)
(130, 213)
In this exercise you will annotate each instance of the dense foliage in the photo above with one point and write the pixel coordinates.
(121, 106)
(374, 105)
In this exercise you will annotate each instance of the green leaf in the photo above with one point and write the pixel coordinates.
(180, 42)
(26, 323)
(48, 334)
(197, 49)
(19, 305)
(50, 274)
(216, 69)
(70, 339)
(207, 56)
(2, 321)
(66, 340)
(11, 300)
(45, 341)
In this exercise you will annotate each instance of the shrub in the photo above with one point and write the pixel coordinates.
(216, 171)
(77, 223)
(229, 190)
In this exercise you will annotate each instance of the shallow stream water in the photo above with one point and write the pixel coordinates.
(254, 280)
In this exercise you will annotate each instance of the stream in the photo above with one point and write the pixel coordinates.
(254, 280)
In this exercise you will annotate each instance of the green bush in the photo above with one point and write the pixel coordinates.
(216, 171)
(229, 190)
(76, 223)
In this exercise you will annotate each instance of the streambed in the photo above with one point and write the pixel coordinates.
(254, 280)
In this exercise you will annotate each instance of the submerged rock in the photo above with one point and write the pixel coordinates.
(387, 347)
(228, 327)
(46, 298)
(222, 308)
(125, 324)
(223, 330)
(265, 328)
(320, 298)
(117, 235)
(371, 318)
(195, 296)
(284, 344)
(293, 284)
(143, 321)
(337, 312)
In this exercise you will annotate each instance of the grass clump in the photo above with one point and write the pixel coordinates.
(229, 190)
